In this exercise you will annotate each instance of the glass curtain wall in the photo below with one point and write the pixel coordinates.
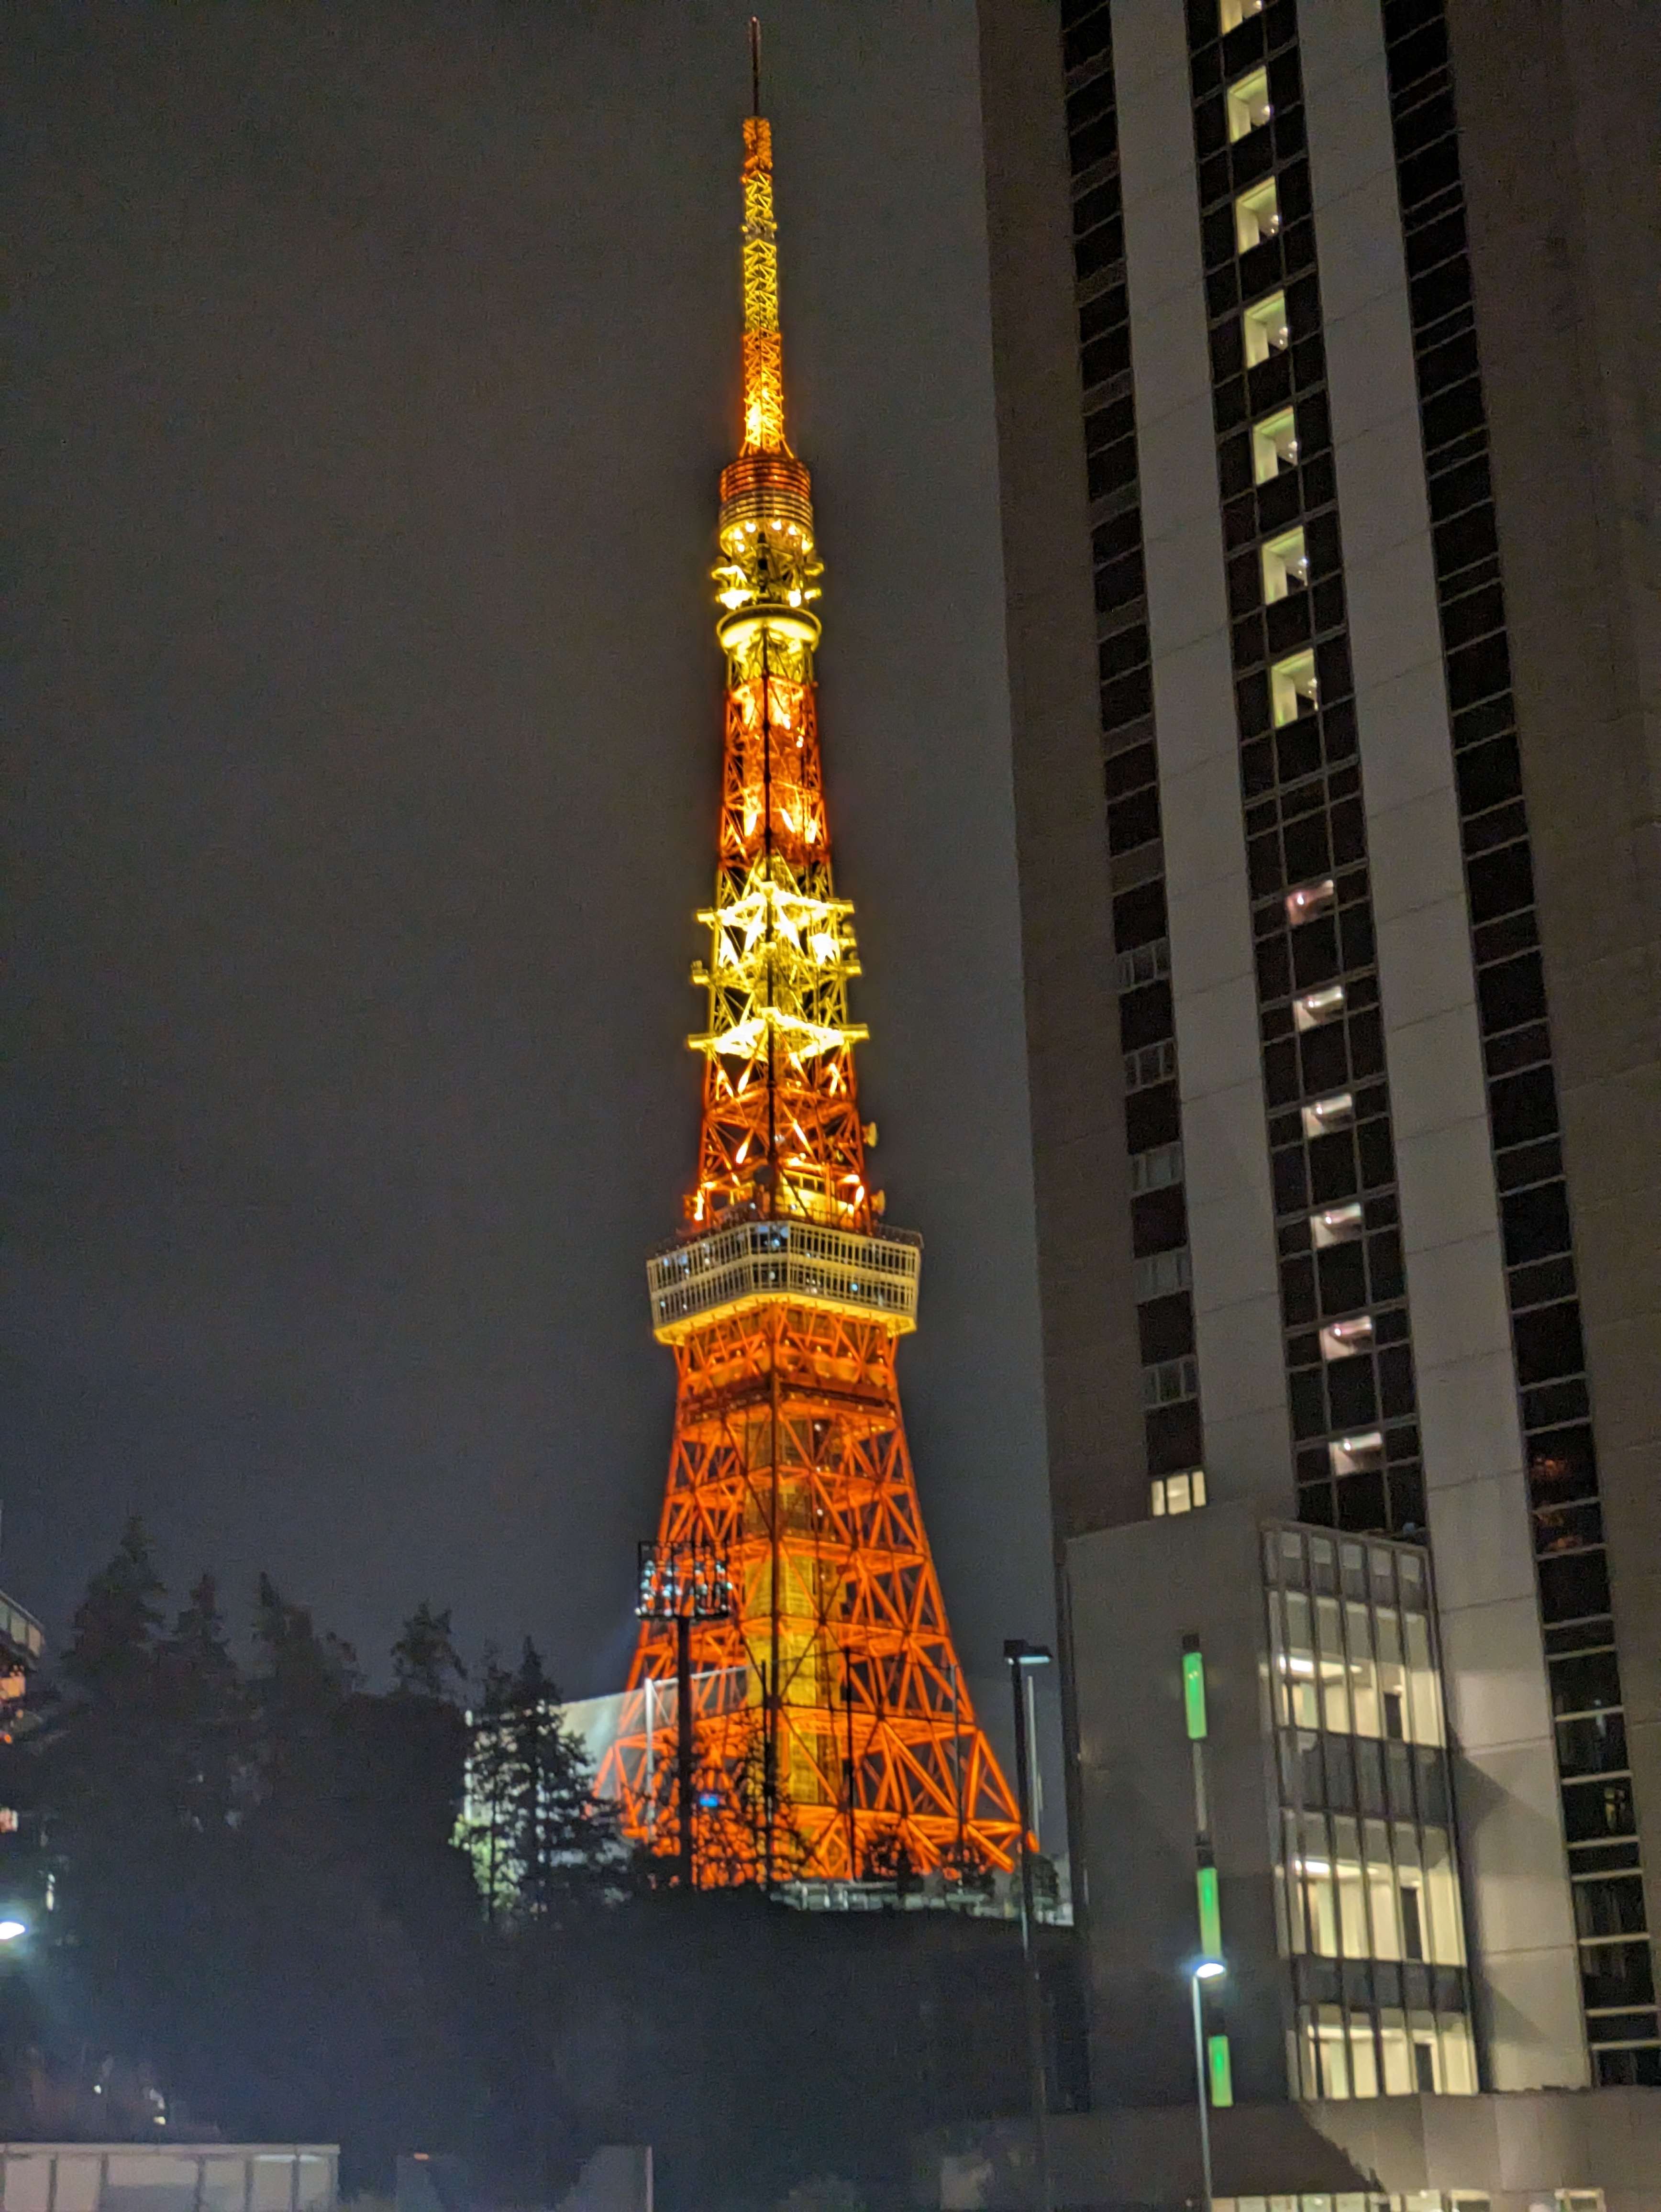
(1367, 1901)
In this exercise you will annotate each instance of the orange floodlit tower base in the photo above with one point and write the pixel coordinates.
(834, 1733)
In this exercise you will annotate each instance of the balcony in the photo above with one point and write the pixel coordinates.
(788, 1262)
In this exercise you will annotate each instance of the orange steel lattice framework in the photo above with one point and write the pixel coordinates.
(834, 1733)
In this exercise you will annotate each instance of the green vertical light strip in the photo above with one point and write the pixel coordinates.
(1221, 2070)
(1193, 1694)
(1211, 1918)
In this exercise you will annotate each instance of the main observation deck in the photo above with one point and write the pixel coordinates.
(784, 1261)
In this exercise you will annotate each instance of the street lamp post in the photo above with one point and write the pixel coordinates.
(1021, 1655)
(1203, 1970)
(683, 1582)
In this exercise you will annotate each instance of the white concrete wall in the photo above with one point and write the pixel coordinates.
(1510, 1821)
(1224, 1132)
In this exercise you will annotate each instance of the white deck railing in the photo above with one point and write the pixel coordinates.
(785, 1259)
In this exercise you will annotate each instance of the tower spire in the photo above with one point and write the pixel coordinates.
(763, 347)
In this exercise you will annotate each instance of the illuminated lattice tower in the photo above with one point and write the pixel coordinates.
(834, 1730)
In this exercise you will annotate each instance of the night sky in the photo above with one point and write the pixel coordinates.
(372, 367)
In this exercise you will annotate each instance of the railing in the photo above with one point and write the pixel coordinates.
(785, 1259)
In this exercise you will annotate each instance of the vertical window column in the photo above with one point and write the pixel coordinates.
(1616, 1962)
(1345, 1333)
(1159, 1223)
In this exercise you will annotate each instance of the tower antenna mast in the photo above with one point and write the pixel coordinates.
(755, 65)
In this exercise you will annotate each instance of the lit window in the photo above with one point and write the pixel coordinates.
(1178, 1493)
(8, 1820)
(1267, 330)
(1274, 444)
(1336, 1112)
(1230, 13)
(1292, 689)
(1316, 1008)
(1340, 1339)
(1285, 566)
(1363, 1455)
(1248, 105)
(1257, 215)
(1309, 900)
(1339, 1224)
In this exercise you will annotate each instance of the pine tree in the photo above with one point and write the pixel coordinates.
(484, 1830)
(539, 1840)
(115, 1624)
(203, 1715)
(425, 1661)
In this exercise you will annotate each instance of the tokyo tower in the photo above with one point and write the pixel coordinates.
(834, 1734)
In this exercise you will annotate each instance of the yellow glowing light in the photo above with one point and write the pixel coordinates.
(763, 352)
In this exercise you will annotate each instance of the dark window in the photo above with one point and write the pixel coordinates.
(1298, 1306)
(1548, 1342)
(1511, 993)
(1145, 1016)
(1314, 951)
(1562, 1466)
(1093, 143)
(1468, 537)
(1159, 1222)
(1573, 1585)
(1477, 671)
(1595, 1744)
(1352, 1391)
(1609, 1907)
(1165, 1327)
(1105, 356)
(1584, 1682)
(1130, 769)
(1332, 1168)
(1128, 699)
(1152, 1117)
(1091, 210)
(1092, 35)
(1138, 916)
(1617, 1974)
(1537, 1222)
(1134, 821)
(1119, 583)
(1174, 1439)
(1112, 469)
(1489, 775)
(1522, 1107)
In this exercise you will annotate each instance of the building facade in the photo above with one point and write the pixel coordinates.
(1321, 336)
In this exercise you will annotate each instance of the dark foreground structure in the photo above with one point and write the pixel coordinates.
(1321, 336)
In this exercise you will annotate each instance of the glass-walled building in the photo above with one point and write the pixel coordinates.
(1367, 1903)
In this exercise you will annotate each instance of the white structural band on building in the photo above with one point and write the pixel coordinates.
(785, 1261)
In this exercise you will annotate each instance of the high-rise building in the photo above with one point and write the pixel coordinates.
(835, 1736)
(1323, 336)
